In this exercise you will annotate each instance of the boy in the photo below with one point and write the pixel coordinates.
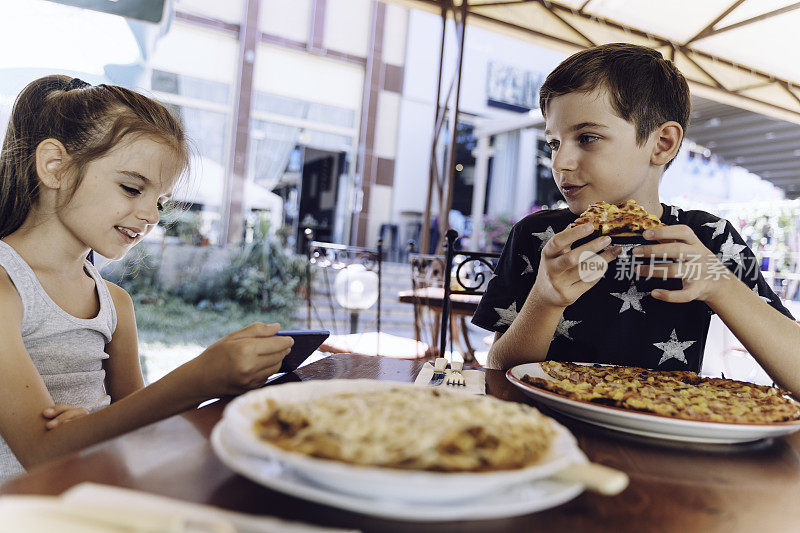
(615, 116)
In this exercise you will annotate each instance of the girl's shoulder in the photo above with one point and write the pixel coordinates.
(11, 307)
(119, 295)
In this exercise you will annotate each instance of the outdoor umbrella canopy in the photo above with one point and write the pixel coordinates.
(745, 53)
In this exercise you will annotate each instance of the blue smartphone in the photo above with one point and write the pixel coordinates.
(305, 342)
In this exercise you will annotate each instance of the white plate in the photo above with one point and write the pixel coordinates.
(407, 485)
(516, 500)
(649, 425)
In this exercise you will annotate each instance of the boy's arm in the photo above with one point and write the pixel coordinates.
(558, 284)
(528, 338)
(768, 335)
(123, 370)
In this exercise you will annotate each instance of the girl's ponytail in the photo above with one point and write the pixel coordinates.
(19, 185)
(88, 120)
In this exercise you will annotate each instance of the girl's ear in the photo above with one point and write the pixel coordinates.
(668, 138)
(51, 157)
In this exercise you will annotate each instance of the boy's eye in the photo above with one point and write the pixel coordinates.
(130, 190)
(553, 145)
(160, 206)
(587, 138)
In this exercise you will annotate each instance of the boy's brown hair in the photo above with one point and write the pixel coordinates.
(645, 89)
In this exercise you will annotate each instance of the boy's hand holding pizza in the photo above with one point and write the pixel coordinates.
(559, 282)
(701, 271)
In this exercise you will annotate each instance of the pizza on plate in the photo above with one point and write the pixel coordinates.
(677, 394)
(622, 219)
(411, 428)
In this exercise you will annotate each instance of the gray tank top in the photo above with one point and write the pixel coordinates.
(67, 351)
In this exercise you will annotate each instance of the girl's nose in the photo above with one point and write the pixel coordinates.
(149, 214)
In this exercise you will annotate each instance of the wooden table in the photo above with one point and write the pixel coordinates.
(460, 304)
(682, 488)
(462, 307)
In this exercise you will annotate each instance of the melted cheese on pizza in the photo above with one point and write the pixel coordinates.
(677, 394)
(411, 428)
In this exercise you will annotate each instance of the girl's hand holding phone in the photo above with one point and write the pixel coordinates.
(240, 361)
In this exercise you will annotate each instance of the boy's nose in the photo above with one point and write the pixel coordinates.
(563, 160)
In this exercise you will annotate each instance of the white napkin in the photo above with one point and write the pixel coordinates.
(476, 380)
(90, 508)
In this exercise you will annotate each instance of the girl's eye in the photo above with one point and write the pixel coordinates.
(587, 138)
(130, 190)
(553, 145)
(160, 206)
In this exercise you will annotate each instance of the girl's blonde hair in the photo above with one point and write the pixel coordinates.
(88, 120)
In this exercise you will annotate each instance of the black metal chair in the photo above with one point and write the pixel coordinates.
(325, 257)
(427, 272)
(465, 272)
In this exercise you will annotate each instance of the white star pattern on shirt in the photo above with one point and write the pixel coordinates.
(631, 299)
(673, 348)
(506, 315)
(673, 211)
(544, 236)
(719, 227)
(625, 249)
(755, 290)
(528, 265)
(731, 250)
(563, 327)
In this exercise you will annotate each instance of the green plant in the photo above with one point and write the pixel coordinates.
(183, 224)
(498, 227)
(262, 274)
(172, 321)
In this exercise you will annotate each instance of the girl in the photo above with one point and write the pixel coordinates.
(87, 168)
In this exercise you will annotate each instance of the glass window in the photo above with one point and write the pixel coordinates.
(326, 141)
(271, 149)
(170, 82)
(206, 131)
(292, 107)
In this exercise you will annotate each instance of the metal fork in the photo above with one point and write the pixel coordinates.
(456, 378)
(438, 372)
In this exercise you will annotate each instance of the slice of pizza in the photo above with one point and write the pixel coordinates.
(622, 219)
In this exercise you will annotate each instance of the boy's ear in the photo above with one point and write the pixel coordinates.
(668, 138)
(51, 158)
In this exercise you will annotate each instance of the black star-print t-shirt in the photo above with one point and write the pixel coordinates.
(617, 321)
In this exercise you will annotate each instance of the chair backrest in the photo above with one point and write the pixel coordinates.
(427, 270)
(327, 256)
(465, 272)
